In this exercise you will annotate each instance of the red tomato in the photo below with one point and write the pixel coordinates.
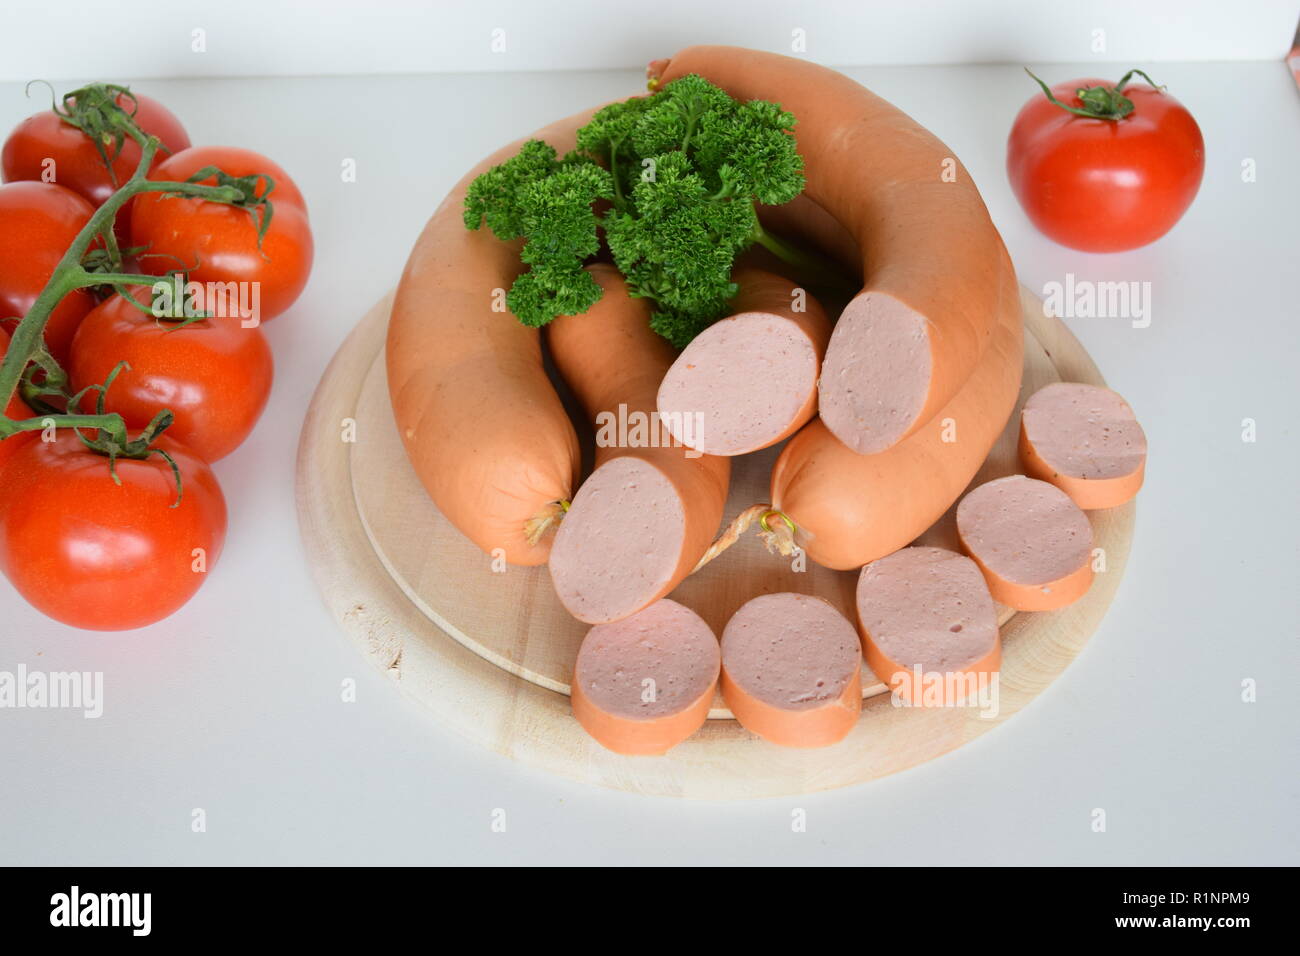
(77, 165)
(1104, 185)
(215, 375)
(38, 221)
(218, 243)
(107, 557)
(16, 410)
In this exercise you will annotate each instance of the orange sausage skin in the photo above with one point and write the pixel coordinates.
(899, 677)
(818, 727)
(481, 422)
(640, 738)
(1034, 597)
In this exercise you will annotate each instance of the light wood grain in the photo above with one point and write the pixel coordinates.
(491, 653)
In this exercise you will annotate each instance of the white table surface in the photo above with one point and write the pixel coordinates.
(233, 705)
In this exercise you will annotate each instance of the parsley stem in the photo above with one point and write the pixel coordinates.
(813, 269)
(613, 174)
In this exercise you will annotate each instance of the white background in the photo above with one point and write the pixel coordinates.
(233, 705)
(330, 37)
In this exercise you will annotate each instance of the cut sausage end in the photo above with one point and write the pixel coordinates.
(1033, 544)
(876, 377)
(1085, 440)
(928, 624)
(792, 670)
(620, 543)
(742, 384)
(644, 684)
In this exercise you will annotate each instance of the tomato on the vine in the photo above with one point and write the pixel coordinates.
(214, 242)
(38, 221)
(100, 555)
(1115, 179)
(213, 374)
(46, 148)
(16, 410)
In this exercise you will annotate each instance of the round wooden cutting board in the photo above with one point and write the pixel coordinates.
(491, 651)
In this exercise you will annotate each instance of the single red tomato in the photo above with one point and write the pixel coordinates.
(45, 148)
(38, 221)
(15, 410)
(214, 242)
(104, 556)
(214, 374)
(1105, 185)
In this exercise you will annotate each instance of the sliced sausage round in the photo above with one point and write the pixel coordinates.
(620, 543)
(750, 380)
(925, 614)
(1086, 440)
(1031, 541)
(644, 684)
(792, 670)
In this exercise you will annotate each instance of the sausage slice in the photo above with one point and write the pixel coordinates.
(1085, 440)
(644, 684)
(1031, 541)
(928, 609)
(792, 670)
(621, 542)
(750, 380)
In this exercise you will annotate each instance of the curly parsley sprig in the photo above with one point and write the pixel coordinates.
(681, 171)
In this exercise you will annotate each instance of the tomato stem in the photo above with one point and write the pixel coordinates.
(1119, 87)
(1099, 102)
